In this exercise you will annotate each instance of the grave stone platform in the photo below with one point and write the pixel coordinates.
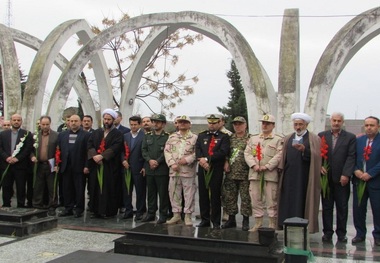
(25, 221)
(197, 244)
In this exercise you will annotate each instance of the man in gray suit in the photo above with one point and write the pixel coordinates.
(341, 161)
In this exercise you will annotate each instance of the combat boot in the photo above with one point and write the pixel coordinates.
(245, 223)
(272, 222)
(230, 223)
(176, 219)
(188, 220)
(225, 215)
(258, 224)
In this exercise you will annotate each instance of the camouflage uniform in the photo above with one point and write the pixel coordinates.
(236, 181)
(178, 146)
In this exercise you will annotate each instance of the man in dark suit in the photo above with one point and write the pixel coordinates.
(135, 163)
(43, 156)
(367, 170)
(341, 162)
(118, 125)
(87, 122)
(74, 166)
(15, 147)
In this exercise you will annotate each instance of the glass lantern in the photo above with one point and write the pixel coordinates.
(296, 240)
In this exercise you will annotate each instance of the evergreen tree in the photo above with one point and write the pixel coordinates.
(237, 105)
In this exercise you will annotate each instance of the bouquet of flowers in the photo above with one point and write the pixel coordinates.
(58, 160)
(100, 171)
(259, 156)
(35, 145)
(362, 184)
(208, 174)
(15, 152)
(127, 174)
(324, 178)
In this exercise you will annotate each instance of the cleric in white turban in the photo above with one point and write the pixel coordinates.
(299, 183)
(301, 116)
(110, 112)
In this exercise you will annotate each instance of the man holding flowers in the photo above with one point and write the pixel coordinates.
(15, 147)
(45, 143)
(367, 177)
(338, 148)
(212, 149)
(236, 180)
(105, 147)
(263, 154)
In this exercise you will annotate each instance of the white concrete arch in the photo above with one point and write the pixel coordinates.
(259, 91)
(10, 73)
(345, 44)
(42, 64)
(60, 61)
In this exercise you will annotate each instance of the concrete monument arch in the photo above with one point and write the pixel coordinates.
(257, 86)
(345, 44)
(259, 92)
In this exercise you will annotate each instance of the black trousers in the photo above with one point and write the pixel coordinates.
(139, 182)
(210, 199)
(73, 190)
(44, 185)
(18, 176)
(339, 195)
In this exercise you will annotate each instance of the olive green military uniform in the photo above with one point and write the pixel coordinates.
(158, 179)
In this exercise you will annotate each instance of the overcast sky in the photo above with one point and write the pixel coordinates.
(356, 93)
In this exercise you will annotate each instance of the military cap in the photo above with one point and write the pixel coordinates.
(239, 119)
(268, 118)
(158, 117)
(213, 118)
(183, 118)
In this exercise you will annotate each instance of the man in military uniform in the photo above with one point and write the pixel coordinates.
(156, 170)
(236, 179)
(180, 157)
(263, 154)
(212, 149)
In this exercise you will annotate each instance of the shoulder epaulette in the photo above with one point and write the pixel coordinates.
(226, 132)
(279, 135)
(204, 131)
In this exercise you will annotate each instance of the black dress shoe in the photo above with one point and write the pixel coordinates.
(204, 223)
(326, 238)
(356, 240)
(148, 218)
(138, 217)
(161, 221)
(128, 215)
(66, 213)
(377, 242)
(342, 239)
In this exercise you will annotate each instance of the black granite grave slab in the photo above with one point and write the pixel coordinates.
(196, 244)
(84, 256)
(24, 221)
